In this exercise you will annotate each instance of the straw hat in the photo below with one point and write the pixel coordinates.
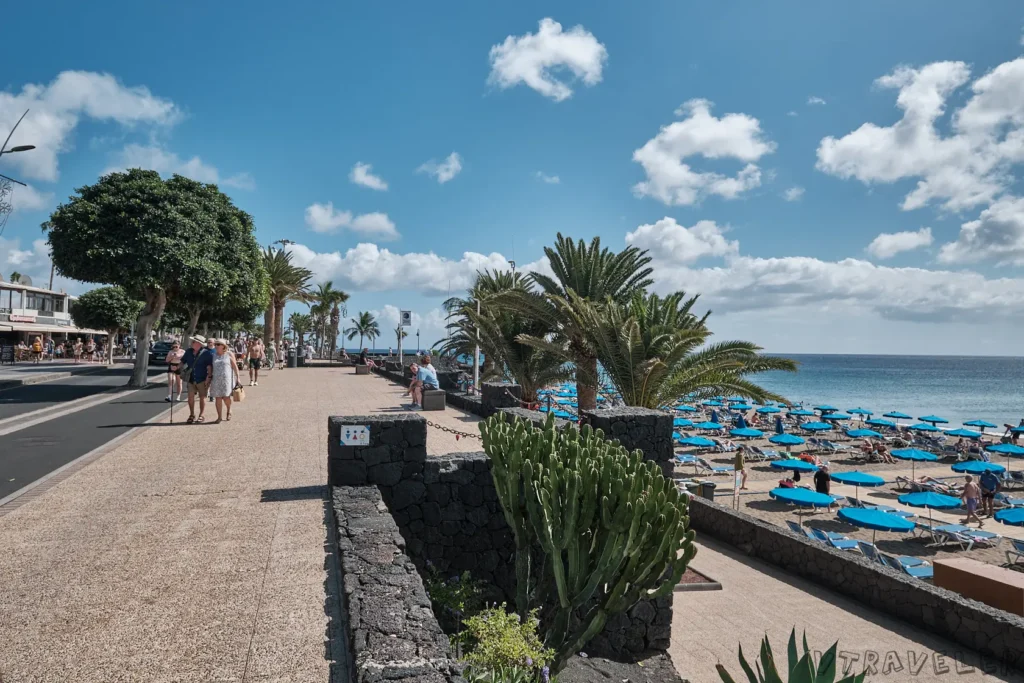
(198, 338)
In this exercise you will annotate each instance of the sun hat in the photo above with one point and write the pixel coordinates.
(197, 338)
(220, 342)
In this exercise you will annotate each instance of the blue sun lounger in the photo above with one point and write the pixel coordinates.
(837, 541)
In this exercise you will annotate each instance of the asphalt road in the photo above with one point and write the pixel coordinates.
(32, 397)
(31, 453)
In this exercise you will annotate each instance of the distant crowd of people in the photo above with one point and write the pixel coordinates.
(39, 349)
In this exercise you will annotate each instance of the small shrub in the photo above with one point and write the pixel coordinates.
(454, 599)
(509, 674)
(501, 640)
(801, 668)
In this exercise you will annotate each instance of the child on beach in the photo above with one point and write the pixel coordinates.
(971, 496)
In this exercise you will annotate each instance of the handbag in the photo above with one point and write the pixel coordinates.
(238, 394)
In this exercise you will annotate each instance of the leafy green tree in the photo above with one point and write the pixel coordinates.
(15, 277)
(106, 308)
(582, 273)
(363, 326)
(301, 325)
(655, 350)
(156, 238)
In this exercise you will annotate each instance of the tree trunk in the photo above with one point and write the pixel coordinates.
(279, 321)
(156, 300)
(110, 346)
(193, 323)
(268, 323)
(586, 384)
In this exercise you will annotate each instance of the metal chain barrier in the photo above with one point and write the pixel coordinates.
(457, 433)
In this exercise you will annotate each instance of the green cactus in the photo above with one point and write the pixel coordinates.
(801, 668)
(611, 527)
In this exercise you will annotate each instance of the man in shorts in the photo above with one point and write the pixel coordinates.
(426, 378)
(197, 363)
(989, 488)
(971, 494)
(255, 353)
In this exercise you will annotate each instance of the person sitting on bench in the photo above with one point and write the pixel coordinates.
(426, 379)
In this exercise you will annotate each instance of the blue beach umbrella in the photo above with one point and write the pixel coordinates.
(747, 432)
(735, 399)
(914, 455)
(826, 408)
(977, 467)
(741, 406)
(712, 402)
(859, 411)
(924, 427)
(816, 426)
(965, 433)
(930, 500)
(1011, 516)
(794, 464)
(698, 441)
(876, 520)
(802, 412)
(681, 422)
(564, 401)
(980, 423)
(788, 440)
(934, 419)
(897, 415)
(835, 416)
(707, 425)
(877, 422)
(778, 425)
(686, 409)
(863, 434)
(1006, 449)
(802, 498)
(769, 409)
(714, 416)
(741, 423)
(857, 479)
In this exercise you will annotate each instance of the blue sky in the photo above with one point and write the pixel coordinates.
(760, 195)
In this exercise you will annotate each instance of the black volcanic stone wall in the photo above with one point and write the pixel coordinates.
(397, 450)
(389, 625)
(648, 430)
(989, 631)
(496, 395)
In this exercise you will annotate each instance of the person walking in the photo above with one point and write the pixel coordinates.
(989, 488)
(225, 379)
(78, 350)
(823, 482)
(739, 465)
(197, 369)
(173, 365)
(970, 497)
(37, 350)
(255, 353)
(90, 350)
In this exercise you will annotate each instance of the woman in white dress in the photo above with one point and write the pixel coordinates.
(225, 378)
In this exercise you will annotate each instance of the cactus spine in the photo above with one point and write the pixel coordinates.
(612, 529)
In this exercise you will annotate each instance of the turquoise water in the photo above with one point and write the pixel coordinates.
(958, 388)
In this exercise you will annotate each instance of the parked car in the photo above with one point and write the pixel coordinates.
(158, 354)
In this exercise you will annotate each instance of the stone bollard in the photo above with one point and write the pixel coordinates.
(497, 395)
(397, 450)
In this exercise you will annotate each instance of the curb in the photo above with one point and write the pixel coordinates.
(709, 585)
(46, 377)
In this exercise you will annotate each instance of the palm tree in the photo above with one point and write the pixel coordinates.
(335, 300)
(301, 324)
(287, 282)
(400, 334)
(655, 350)
(582, 273)
(363, 326)
(319, 313)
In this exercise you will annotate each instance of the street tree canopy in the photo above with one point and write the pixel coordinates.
(106, 308)
(159, 239)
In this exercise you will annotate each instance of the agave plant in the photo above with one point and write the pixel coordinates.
(801, 668)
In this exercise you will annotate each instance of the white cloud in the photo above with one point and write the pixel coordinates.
(164, 162)
(430, 325)
(58, 107)
(534, 59)
(444, 171)
(325, 218)
(888, 244)
(368, 267)
(700, 134)
(793, 194)
(35, 263)
(792, 113)
(361, 174)
(25, 198)
(549, 179)
(814, 100)
(679, 244)
(997, 235)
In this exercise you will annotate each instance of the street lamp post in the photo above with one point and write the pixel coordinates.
(418, 341)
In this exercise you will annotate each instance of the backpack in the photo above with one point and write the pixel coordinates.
(37, 347)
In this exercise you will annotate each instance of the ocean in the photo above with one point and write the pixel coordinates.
(958, 388)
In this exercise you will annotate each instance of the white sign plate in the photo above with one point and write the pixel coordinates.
(355, 435)
(406, 318)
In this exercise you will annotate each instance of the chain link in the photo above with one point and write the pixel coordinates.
(456, 432)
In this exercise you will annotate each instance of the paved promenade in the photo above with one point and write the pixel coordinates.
(189, 552)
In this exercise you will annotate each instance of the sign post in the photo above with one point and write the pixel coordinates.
(405, 320)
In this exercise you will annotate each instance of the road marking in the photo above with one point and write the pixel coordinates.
(64, 471)
(18, 422)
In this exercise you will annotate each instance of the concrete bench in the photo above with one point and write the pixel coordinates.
(433, 399)
(362, 369)
(996, 586)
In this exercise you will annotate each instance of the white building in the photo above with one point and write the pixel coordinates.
(27, 311)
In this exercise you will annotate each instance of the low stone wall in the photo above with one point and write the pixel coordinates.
(389, 625)
(638, 428)
(989, 631)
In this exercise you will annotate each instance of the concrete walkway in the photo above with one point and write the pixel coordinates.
(190, 552)
(756, 599)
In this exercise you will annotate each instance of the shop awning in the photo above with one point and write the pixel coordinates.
(46, 329)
